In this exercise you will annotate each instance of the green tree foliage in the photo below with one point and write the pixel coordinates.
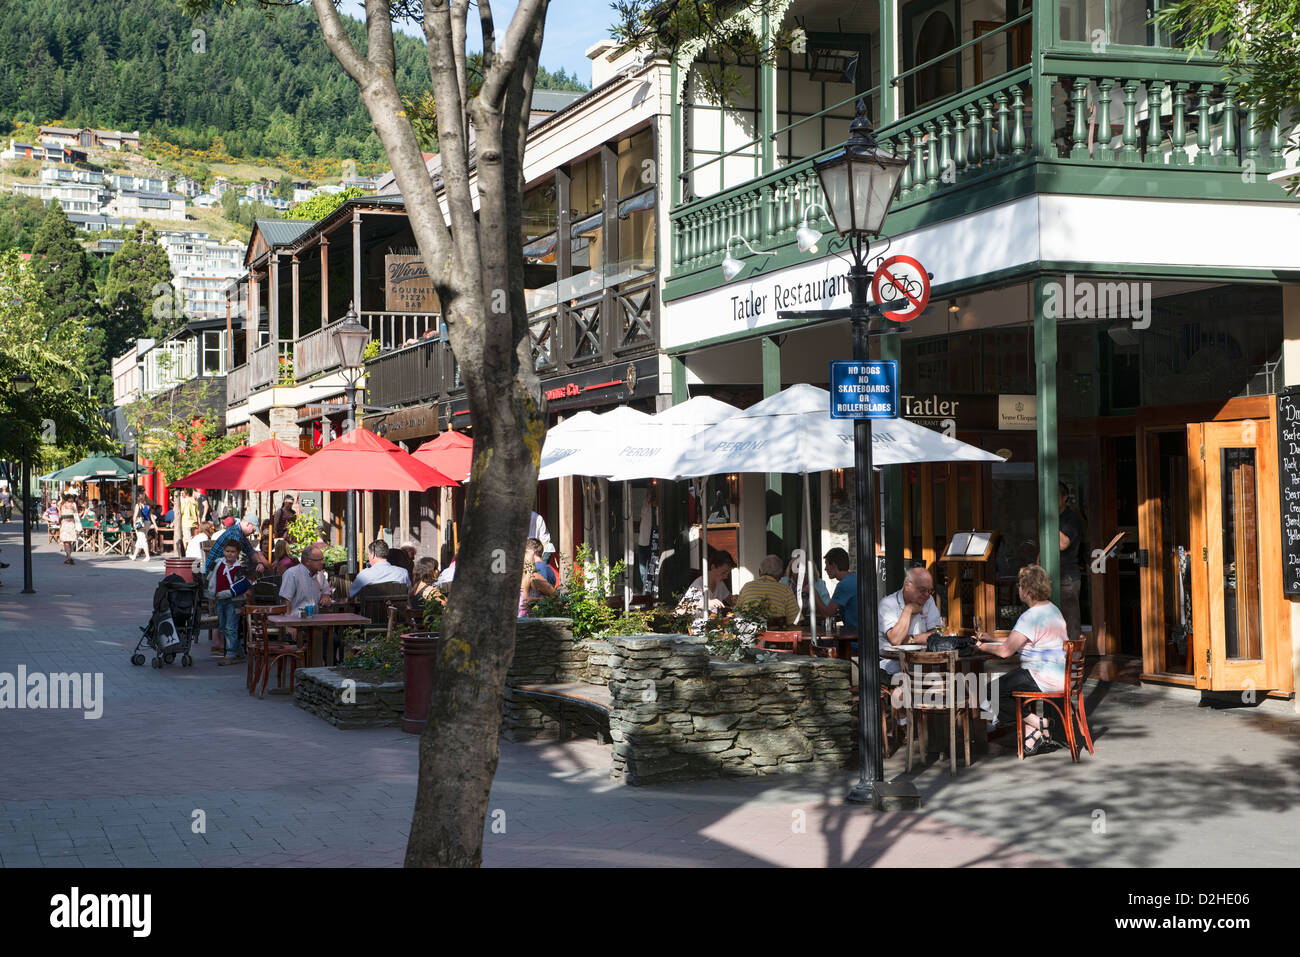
(55, 356)
(138, 296)
(247, 79)
(64, 271)
(423, 113)
(1258, 43)
(730, 29)
(318, 207)
(20, 218)
(179, 430)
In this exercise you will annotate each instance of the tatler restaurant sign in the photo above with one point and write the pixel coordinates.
(407, 287)
(983, 412)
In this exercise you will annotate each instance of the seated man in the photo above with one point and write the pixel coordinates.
(542, 583)
(306, 583)
(781, 605)
(719, 595)
(907, 614)
(380, 570)
(844, 600)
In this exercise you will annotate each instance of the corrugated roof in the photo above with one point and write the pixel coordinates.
(552, 100)
(281, 232)
(147, 194)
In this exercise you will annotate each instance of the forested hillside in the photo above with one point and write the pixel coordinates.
(265, 86)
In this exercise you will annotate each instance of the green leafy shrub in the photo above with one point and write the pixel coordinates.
(304, 530)
(379, 654)
(584, 598)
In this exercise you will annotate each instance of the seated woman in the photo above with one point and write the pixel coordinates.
(202, 533)
(719, 595)
(1039, 637)
(281, 560)
(424, 582)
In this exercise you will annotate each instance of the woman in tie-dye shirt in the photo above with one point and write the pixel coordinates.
(1039, 637)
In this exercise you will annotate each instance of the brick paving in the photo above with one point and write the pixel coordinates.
(1172, 783)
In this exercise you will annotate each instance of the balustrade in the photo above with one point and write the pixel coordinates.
(1136, 114)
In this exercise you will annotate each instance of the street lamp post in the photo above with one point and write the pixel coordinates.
(859, 183)
(23, 384)
(350, 338)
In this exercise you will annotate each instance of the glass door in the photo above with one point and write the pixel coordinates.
(1235, 602)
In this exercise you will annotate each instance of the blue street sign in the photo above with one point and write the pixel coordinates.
(864, 390)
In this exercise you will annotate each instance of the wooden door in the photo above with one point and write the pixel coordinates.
(1235, 530)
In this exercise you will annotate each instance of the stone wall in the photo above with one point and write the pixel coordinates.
(321, 691)
(678, 715)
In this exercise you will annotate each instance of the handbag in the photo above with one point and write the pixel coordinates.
(964, 645)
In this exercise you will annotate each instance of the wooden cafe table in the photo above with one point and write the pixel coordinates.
(316, 631)
(969, 664)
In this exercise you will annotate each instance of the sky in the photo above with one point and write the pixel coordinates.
(571, 27)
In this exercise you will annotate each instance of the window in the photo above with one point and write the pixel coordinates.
(636, 207)
(1113, 21)
(586, 188)
(213, 358)
(540, 218)
(712, 130)
(799, 97)
(939, 79)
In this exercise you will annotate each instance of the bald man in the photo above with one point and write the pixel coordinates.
(906, 614)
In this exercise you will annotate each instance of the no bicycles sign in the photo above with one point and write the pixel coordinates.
(902, 277)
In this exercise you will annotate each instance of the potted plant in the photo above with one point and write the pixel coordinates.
(420, 653)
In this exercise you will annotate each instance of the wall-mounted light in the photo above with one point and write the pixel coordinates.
(952, 306)
(805, 235)
(731, 266)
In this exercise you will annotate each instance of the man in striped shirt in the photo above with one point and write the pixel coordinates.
(781, 604)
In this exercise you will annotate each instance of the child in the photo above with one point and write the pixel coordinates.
(224, 574)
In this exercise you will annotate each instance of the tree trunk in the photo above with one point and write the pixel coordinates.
(476, 264)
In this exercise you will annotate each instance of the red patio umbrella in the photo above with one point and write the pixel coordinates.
(245, 467)
(451, 453)
(362, 461)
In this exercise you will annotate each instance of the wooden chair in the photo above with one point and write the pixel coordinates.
(938, 691)
(1068, 703)
(262, 648)
(373, 602)
(786, 642)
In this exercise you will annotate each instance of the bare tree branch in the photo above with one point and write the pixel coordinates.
(459, 17)
(489, 33)
(340, 44)
(445, 61)
(379, 36)
(519, 33)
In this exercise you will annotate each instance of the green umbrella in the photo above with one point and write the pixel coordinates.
(93, 467)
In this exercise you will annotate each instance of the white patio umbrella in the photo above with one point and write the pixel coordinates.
(577, 445)
(644, 449)
(792, 432)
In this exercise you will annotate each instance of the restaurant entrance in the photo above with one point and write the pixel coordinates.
(1211, 596)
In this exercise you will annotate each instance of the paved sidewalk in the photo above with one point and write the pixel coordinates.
(1171, 783)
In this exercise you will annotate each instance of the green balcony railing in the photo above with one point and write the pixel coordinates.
(1140, 115)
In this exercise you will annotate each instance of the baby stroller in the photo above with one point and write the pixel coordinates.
(173, 624)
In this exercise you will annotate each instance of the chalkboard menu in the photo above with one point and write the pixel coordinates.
(1288, 460)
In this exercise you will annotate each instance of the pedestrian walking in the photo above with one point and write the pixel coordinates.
(69, 526)
(187, 518)
(142, 522)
